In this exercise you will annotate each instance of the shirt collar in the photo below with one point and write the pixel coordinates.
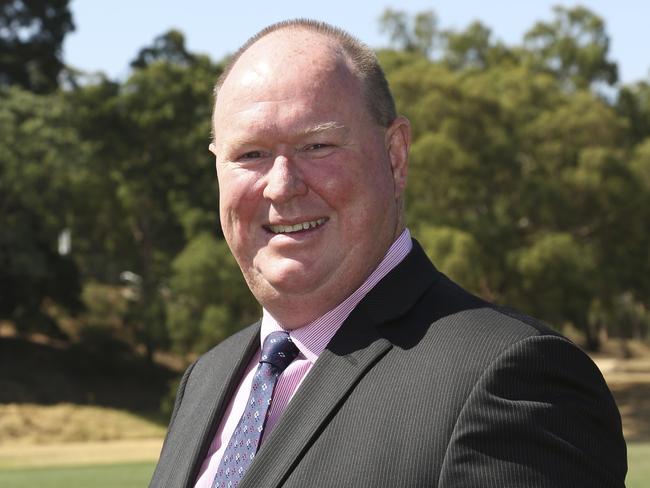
(312, 338)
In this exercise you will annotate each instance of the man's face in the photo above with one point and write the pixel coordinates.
(309, 183)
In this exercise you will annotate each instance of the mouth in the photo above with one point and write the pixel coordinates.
(299, 227)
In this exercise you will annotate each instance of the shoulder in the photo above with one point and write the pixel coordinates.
(453, 323)
(522, 390)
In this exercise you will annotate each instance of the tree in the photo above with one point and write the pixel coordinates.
(525, 185)
(633, 103)
(456, 252)
(151, 168)
(38, 151)
(31, 37)
(574, 46)
(418, 34)
(473, 48)
(518, 181)
(555, 281)
(168, 47)
(209, 299)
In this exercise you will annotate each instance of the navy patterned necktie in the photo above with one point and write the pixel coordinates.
(277, 353)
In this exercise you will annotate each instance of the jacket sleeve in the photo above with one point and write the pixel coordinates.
(540, 415)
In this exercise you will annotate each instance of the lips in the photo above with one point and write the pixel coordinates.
(288, 229)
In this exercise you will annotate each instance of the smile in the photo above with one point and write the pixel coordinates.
(287, 229)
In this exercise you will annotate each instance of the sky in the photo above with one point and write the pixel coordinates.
(109, 34)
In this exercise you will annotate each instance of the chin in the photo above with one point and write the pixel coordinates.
(291, 280)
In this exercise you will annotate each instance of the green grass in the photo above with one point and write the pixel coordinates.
(130, 475)
(638, 456)
(137, 475)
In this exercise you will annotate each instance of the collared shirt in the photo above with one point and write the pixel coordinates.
(311, 341)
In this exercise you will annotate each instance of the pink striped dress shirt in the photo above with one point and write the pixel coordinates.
(311, 340)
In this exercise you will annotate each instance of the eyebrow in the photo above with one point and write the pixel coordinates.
(324, 127)
(308, 131)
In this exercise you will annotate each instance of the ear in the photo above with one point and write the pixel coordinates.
(213, 148)
(398, 141)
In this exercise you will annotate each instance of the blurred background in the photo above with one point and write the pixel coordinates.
(529, 185)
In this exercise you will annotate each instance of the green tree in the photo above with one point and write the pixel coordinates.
(31, 37)
(574, 46)
(38, 149)
(455, 251)
(633, 103)
(474, 48)
(151, 180)
(209, 299)
(416, 34)
(517, 178)
(168, 47)
(556, 279)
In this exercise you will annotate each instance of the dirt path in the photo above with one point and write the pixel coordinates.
(629, 380)
(79, 453)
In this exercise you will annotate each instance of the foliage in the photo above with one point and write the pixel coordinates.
(455, 251)
(418, 34)
(35, 206)
(573, 46)
(474, 48)
(633, 104)
(151, 185)
(31, 37)
(209, 298)
(526, 185)
(523, 179)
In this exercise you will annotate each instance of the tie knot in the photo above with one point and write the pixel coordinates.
(278, 350)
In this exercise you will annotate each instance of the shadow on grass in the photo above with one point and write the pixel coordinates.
(46, 375)
(633, 400)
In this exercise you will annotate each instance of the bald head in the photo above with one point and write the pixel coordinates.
(360, 60)
(285, 65)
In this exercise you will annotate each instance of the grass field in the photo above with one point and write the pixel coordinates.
(74, 446)
(129, 475)
(638, 455)
(137, 475)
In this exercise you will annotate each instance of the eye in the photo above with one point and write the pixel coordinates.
(250, 155)
(316, 147)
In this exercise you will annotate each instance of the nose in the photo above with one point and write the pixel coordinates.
(284, 181)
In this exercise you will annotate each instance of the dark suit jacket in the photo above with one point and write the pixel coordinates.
(424, 385)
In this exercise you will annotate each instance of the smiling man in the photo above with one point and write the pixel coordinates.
(368, 367)
(310, 184)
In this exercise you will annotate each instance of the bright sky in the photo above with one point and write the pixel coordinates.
(110, 33)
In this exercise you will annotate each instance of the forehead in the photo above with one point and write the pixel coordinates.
(282, 87)
(286, 49)
(285, 65)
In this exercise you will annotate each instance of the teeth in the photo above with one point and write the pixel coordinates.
(286, 229)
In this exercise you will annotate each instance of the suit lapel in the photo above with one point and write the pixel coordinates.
(321, 392)
(354, 350)
(216, 387)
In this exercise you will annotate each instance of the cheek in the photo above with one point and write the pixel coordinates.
(338, 180)
(361, 185)
(239, 199)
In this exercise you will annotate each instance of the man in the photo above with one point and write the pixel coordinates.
(400, 377)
